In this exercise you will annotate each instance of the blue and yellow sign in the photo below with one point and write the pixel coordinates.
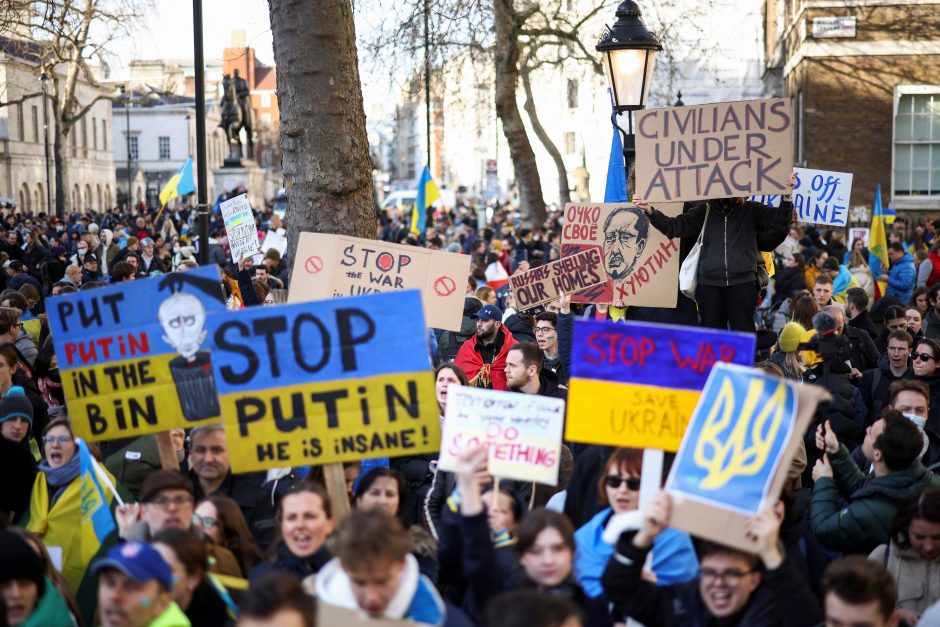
(736, 439)
(132, 357)
(326, 381)
(637, 384)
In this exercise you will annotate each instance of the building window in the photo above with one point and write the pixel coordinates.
(19, 122)
(132, 147)
(85, 133)
(35, 112)
(94, 133)
(917, 144)
(265, 100)
(266, 119)
(164, 149)
(104, 134)
(572, 93)
(798, 130)
(73, 142)
(570, 143)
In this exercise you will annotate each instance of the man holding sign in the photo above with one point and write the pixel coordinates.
(733, 232)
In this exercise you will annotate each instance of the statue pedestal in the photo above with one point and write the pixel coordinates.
(247, 174)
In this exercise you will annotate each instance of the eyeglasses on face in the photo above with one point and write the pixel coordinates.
(205, 521)
(732, 576)
(163, 502)
(61, 440)
(613, 481)
(543, 330)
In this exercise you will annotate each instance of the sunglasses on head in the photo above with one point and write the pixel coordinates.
(613, 481)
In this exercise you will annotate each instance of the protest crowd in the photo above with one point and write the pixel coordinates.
(107, 532)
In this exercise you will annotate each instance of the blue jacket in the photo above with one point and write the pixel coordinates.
(901, 279)
(674, 559)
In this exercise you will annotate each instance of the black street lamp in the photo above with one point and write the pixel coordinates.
(127, 135)
(44, 78)
(630, 51)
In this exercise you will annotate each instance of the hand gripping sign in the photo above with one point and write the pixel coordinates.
(732, 463)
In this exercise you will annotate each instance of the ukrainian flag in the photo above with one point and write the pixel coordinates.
(878, 244)
(427, 194)
(180, 184)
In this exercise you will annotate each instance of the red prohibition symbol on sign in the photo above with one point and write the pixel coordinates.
(445, 286)
(313, 264)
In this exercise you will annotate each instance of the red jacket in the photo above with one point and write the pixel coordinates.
(480, 374)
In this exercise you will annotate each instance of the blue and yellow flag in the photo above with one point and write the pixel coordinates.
(180, 184)
(878, 244)
(427, 194)
(616, 189)
(97, 521)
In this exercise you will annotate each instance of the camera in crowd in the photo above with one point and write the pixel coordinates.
(827, 343)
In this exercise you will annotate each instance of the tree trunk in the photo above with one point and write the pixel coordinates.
(507, 24)
(564, 194)
(325, 151)
(58, 160)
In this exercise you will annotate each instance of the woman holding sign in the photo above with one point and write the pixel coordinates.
(674, 558)
(727, 282)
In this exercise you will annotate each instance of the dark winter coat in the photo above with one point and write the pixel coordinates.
(844, 410)
(873, 388)
(864, 322)
(781, 600)
(866, 521)
(729, 254)
(283, 560)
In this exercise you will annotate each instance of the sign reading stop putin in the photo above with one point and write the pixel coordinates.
(335, 266)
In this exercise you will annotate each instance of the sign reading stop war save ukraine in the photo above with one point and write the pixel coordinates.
(637, 384)
(132, 357)
(820, 197)
(522, 432)
(325, 382)
(736, 439)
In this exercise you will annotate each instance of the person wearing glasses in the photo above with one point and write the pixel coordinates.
(553, 335)
(733, 588)
(222, 521)
(674, 558)
(166, 502)
(55, 508)
(926, 368)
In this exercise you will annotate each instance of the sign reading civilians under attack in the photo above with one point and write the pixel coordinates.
(640, 265)
(720, 150)
(325, 382)
(637, 384)
(132, 356)
(567, 275)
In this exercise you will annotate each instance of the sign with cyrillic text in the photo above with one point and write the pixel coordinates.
(641, 266)
(720, 150)
(522, 432)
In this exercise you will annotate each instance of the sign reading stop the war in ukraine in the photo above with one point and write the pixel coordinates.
(641, 266)
(545, 283)
(718, 150)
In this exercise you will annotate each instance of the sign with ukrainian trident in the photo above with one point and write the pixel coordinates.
(733, 459)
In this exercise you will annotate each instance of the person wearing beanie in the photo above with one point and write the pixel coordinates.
(30, 599)
(787, 356)
(277, 267)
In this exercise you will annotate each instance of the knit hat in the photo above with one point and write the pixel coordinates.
(790, 336)
(16, 405)
(831, 263)
(19, 561)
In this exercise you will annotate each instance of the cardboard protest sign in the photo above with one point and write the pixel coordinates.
(276, 240)
(718, 150)
(637, 384)
(131, 356)
(819, 197)
(861, 233)
(641, 265)
(325, 382)
(331, 266)
(733, 460)
(240, 226)
(334, 615)
(568, 274)
(522, 432)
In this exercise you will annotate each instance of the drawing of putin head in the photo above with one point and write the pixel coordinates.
(625, 233)
(183, 318)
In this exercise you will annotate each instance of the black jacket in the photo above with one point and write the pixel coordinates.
(864, 354)
(582, 500)
(863, 321)
(520, 329)
(787, 280)
(843, 410)
(781, 600)
(873, 388)
(443, 486)
(18, 467)
(549, 385)
(730, 244)
(285, 561)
